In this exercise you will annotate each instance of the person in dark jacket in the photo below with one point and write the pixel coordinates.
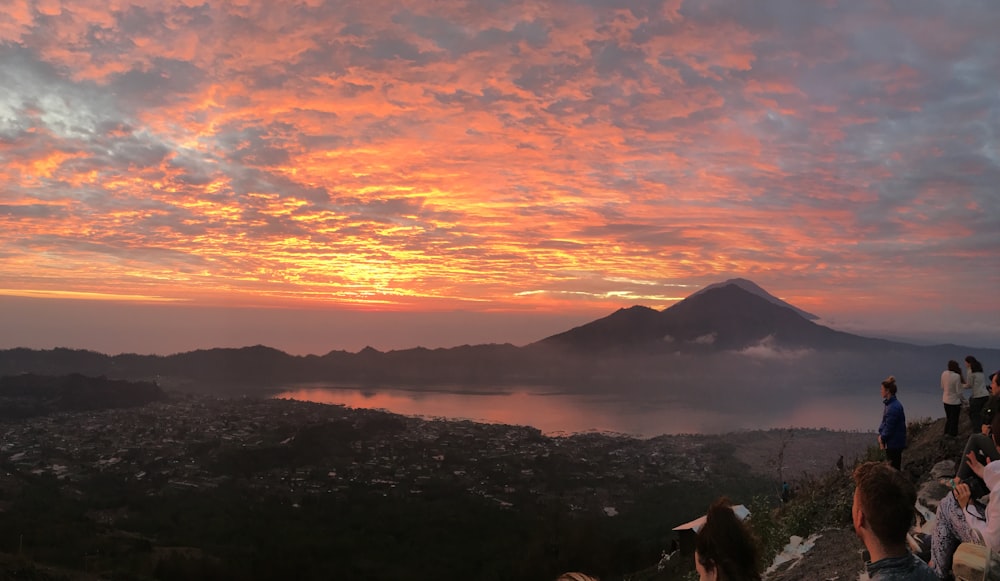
(892, 430)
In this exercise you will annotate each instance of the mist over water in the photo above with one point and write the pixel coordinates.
(675, 394)
(559, 412)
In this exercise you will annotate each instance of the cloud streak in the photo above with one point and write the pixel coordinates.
(424, 156)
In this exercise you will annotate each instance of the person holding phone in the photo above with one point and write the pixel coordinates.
(962, 520)
(981, 445)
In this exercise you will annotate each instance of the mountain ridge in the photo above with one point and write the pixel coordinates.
(636, 346)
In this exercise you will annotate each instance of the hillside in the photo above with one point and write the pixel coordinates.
(825, 507)
(820, 512)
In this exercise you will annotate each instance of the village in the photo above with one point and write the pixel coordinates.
(297, 448)
(126, 488)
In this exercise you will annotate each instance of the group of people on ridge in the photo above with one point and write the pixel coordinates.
(892, 431)
(953, 383)
(884, 502)
(961, 516)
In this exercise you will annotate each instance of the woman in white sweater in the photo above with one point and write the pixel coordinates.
(980, 394)
(951, 396)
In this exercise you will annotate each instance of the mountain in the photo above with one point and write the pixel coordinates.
(725, 323)
(728, 316)
(752, 287)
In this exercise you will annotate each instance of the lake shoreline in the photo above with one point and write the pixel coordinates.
(560, 413)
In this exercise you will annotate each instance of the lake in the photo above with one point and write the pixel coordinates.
(555, 412)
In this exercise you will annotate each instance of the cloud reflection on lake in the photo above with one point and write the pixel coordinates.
(559, 412)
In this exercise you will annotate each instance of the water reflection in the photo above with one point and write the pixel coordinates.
(556, 413)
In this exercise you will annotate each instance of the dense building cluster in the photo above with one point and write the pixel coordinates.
(299, 448)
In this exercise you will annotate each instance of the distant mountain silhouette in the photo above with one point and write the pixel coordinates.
(231, 370)
(732, 316)
(751, 286)
(724, 321)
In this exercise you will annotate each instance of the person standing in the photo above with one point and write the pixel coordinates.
(892, 430)
(980, 394)
(951, 396)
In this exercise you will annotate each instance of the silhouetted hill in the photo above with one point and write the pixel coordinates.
(727, 317)
(260, 366)
(29, 395)
(260, 363)
(59, 361)
(631, 327)
(730, 326)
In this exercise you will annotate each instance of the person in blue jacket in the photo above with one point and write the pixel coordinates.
(892, 431)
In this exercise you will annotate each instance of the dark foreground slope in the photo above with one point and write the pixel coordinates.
(825, 508)
(822, 505)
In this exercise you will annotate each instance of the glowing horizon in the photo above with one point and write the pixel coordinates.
(557, 157)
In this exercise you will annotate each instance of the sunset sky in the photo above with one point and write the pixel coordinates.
(320, 175)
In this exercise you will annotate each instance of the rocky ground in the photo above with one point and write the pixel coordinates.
(804, 454)
(836, 554)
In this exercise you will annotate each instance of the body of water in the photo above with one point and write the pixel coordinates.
(559, 412)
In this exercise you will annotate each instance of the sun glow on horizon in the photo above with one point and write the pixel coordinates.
(448, 157)
(87, 296)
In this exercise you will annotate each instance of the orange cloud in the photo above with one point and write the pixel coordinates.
(533, 156)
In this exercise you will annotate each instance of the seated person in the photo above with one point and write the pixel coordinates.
(982, 445)
(960, 520)
(883, 512)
